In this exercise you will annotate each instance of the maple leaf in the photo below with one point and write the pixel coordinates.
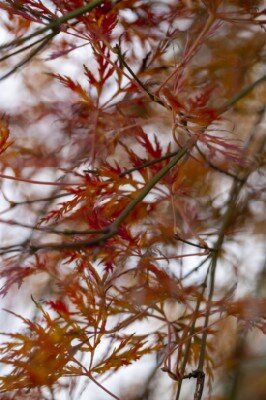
(74, 87)
(137, 241)
(38, 357)
(109, 22)
(4, 134)
(58, 306)
(14, 275)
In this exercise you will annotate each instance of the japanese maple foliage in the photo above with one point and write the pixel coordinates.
(135, 189)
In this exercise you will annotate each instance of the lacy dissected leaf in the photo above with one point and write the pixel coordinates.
(74, 87)
(14, 275)
(129, 349)
(152, 119)
(4, 134)
(39, 356)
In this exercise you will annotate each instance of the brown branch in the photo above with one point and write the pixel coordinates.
(149, 163)
(35, 182)
(112, 229)
(219, 169)
(42, 199)
(121, 58)
(231, 206)
(191, 330)
(243, 93)
(176, 236)
(51, 230)
(53, 26)
(21, 50)
(197, 267)
(29, 57)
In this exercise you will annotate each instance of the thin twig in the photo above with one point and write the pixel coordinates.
(20, 203)
(121, 58)
(50, 230)
(55, 24)
(148, 163)
(231, 206)
(188, 343)
(176, 236)
(35, 182)
(197, 267)
(13, 53)
(213, 166)
(243, 93)
(32, 54)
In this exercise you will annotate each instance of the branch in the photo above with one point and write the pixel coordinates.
(149, 163)
(236, 187)
(35, 182)
(53, 26)
(243, 93)
(121, 58)
(32, 54)
(231, 206)
(147, 188)
(176, 236)
(195, 269)
(72, 231)
(213, 166)
(191, 331)
(50, 230)
(28, 46)
(112, 230)
(42, 199)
